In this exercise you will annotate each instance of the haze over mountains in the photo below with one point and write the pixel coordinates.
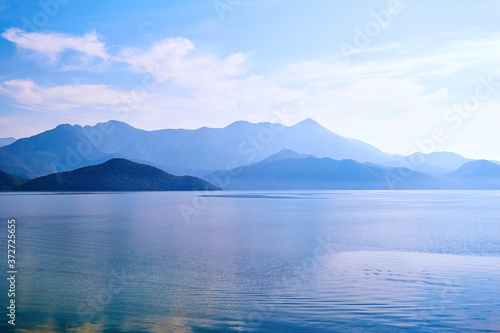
(288, 170)
(6, 141)
(251, 156)
(197, 152)
(178, 151)
(312, 173)
(474, 175)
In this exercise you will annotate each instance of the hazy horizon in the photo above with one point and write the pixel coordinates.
(282, 123)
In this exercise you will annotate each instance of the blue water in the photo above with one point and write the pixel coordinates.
(332, 261)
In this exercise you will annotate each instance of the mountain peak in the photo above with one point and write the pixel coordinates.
(115, 123)
(63, 126)
(119, 160)
(284, 154)
(286, 151)
(308, 122)
(238, 123)
(478, 168)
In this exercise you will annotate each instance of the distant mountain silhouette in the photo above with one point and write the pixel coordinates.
(6, 141)
(479, 168)
(51, 151)
(436, 163)
(313, 173)
(479, 175)
(198, 152)
(285, 154)
(9, 182)
(178, 151)
(116, 175)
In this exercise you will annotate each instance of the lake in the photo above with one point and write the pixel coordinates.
(327, 261)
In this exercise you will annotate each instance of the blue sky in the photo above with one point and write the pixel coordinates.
(401, 75)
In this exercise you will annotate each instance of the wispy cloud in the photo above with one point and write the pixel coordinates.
(28, 94)
(52, 45)
(221, 86)
(176, 59)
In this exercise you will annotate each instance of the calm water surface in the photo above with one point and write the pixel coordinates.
(333, 261)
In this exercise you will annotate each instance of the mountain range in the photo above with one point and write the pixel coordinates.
(198, 152)
(241, 156)
(312, 173)
(287, 170)
(474, 175)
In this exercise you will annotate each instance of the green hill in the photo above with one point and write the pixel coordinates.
(8, 182)
(117, 174)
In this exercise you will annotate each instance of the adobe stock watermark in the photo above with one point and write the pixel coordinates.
(48, 10)
(364, 36)
(248, 149)
(222, 7)
(437, 308)
(309, 265)
(453, 119)
(90, 310)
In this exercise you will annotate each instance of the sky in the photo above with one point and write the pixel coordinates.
(402, 75)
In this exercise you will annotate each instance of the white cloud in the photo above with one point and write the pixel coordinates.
(176, 60)
(52, 45)
(428, 61)
(221, 86)
(28, 94)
